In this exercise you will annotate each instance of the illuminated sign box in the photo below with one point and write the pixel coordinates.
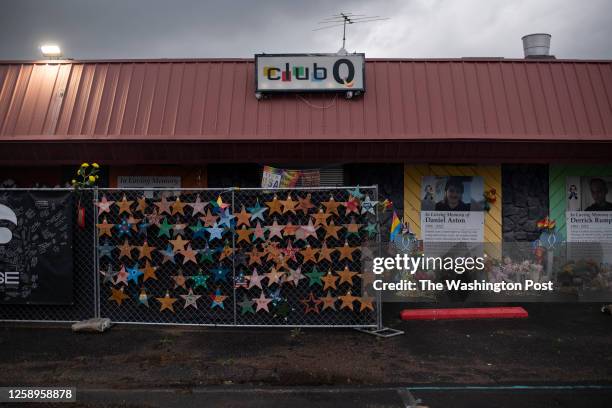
(309, 73)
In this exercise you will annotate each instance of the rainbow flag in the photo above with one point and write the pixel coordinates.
(396, 226)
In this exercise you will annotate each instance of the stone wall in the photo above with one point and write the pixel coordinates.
(525, 200)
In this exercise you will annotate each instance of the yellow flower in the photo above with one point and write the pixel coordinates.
(95, 165)
(85, 165)
(73, 181)
(97, 177)
(92, 179)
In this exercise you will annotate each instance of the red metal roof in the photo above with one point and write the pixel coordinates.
(213, 100)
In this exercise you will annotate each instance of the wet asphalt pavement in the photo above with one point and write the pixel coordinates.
(558, 348)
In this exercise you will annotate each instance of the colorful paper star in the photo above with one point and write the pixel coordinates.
(346, 276)
(166, 302)
(255, 279)
(274, 276)
(314, 277)
(304, 204)
(145, 251)
(226, 252)
(331, 230)
(104, 205)
(118, 296)
(262, 302)
(352, 228)
(142, 204)
(191, 299)
(124, 205)
(149, 271)
(206, 254)
(124, 228)
(288, 205)
(275, 230)
(325, 253)
(218, 299)
(246, 306)
(179, 280)
(329, 281)
(125, 250)
(215, 232)
(329, 302)
(352, 205)
(274, 206)
(346, 251)
(105, 249)
(198, 206)
(366, 302)
(121, 276)
(134, 273)
(168, 254)
(258, 232)
(257, 212)
(321, 217)
(331, 206)
(219, 274)
(290, 229)
(309, 254)
(143, 298)
(198, 231)
(242, 217)
(189, 255)
(209, 219)
(295, 275)
(347, 301)
(143, 227)
(311, 304)
(226, 218)
(163, 206)
(244, 234)
(306, 231)
(200, 280)
(371, 229)
(368, 206)
(109, 274)
(355, 192)
(164, 229)
(178, 244)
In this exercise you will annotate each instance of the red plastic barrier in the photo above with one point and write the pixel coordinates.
(465, 313)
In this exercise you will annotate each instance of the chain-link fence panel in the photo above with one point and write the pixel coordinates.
(302, 256)
(254, 257)
(42, 235)
(165, 256)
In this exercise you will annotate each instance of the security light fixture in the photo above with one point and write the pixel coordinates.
(51, 50)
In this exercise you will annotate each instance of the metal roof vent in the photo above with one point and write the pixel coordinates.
(537, 45)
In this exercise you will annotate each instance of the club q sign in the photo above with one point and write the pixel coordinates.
(309, 73)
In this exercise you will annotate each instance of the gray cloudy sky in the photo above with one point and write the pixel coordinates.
(239, 28)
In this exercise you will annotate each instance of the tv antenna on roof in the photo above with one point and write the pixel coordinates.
(342, 19)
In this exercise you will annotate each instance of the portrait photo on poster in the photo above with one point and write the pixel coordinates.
(452, 193)
(589, 193)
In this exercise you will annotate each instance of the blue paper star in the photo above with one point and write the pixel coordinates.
(133, 273)
(220, 274)
(124, 228)
(226, 218)
(214, 231)
(105, 249)
(198, 231)
(257, 211)
(218, 299)
(168, 254)
(143, 227)
(355, 192)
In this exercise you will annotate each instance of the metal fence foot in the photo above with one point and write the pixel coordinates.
(384, 332)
